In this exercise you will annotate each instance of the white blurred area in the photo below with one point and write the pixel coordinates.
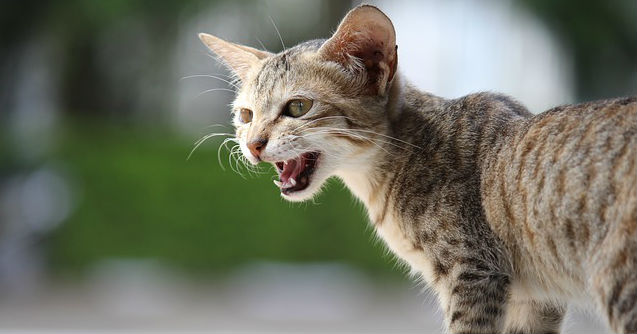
(130, 295)
(133, 296)
(454, 48)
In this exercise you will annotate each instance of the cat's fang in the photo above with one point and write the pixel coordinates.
(281, 184)
(285, 185)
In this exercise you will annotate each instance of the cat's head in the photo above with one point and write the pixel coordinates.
(317, 108)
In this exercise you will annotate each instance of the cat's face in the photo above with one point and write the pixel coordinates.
(317, 108)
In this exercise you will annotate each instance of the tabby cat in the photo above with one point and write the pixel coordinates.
(508, 216)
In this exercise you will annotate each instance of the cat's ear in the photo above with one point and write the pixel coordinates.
(239, 58)
(365, 40)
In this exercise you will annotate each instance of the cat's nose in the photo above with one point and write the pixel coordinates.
(256, 146)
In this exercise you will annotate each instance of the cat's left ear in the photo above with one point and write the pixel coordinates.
(239, 58)
(365, 40)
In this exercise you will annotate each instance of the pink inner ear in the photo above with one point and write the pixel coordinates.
(365, 33)
(371, 51)
(369, 42)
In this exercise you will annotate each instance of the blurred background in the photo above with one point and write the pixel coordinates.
(105, 225)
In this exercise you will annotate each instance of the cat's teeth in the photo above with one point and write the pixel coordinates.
(288, 184)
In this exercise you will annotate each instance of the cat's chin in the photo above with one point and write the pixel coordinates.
(313, 188)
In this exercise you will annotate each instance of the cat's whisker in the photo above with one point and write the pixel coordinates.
(203, 139)
(228, 79)
(217, 125)
(311, 147)
(222, 145)
(256, 169)
(297, 152)
(237, 165)
(232, 157)
(360, 137)
(356, 130)
(316, 120)
(215, 90)
(388, 137)
(277, 32)
(262, 45)
(240, 161)
(210, 76)
(215, 134)
(253, 170)
(236, 160)
(378, 134)
(232, 76)
(357, 136)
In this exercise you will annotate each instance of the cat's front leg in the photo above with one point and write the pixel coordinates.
(476, 301)
(533, 317)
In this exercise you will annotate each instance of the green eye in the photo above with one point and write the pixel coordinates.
(245, 115)
(298, 107)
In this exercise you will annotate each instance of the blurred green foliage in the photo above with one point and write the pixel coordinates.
(140, 198)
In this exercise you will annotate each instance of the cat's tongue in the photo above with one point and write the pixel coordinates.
(294, 174)
(291, 169)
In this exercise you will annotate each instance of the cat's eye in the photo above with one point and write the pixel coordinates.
(245, 115)
(297, 107)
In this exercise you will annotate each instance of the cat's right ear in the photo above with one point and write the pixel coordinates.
(365, 40)
(239, 58)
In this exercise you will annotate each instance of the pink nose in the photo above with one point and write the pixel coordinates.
(256, 146)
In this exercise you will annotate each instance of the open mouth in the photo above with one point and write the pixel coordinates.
(295, 174)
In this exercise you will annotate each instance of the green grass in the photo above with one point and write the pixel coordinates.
(140, 198)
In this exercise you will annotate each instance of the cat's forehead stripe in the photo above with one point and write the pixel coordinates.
(272, 71)
(278, 67)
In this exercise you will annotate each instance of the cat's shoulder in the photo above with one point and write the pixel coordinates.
(490, 104)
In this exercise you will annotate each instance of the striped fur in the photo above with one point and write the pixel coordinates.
(508, 216)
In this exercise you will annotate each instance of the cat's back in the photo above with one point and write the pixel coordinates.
(576, 162)
(563, 191)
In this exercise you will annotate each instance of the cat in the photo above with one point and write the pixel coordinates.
(506, 215)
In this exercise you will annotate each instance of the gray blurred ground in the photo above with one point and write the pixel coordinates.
(260, 298)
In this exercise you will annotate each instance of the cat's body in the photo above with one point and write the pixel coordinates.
(506, 215)
(497, 204)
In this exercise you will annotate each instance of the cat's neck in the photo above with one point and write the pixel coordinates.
(363, 183)
(370, 181)
(370, 187)
(448, 140)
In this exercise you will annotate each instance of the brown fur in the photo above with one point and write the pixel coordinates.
(506, 215)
